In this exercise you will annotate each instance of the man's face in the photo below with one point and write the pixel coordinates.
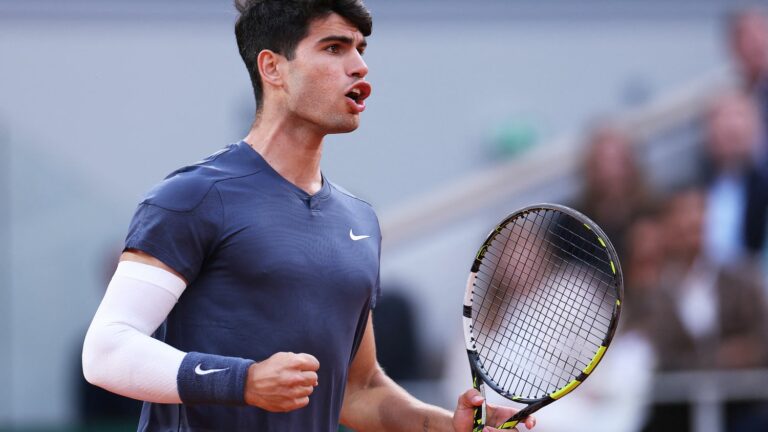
(612, 166)
(324, 83)
(732, 128)
(685, 223)
(750, 43)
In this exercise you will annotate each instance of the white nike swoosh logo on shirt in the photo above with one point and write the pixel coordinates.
(199, 370)
(357, 237)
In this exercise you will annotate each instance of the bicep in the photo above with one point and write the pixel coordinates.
(364, 366)
(141, 294)
(139, 256)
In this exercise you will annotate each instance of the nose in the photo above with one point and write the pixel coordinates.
(358, 68)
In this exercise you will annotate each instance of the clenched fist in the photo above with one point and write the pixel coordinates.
(282, 382)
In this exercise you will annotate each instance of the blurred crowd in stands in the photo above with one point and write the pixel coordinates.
(694, 256)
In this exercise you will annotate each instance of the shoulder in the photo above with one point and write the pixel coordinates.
(186, 188)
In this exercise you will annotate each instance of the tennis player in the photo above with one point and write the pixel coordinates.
(243, 298)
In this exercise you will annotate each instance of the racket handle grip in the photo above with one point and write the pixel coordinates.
(478, 423)
(509, 424)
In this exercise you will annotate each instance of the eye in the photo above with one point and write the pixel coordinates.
(333, 49)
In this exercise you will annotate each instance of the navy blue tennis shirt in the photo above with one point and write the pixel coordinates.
(270, 268)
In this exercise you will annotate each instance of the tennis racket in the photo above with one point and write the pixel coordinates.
(541, 306)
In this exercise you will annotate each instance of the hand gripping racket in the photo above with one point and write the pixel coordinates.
(541, 306)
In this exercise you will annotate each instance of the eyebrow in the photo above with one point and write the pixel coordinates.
(342, 39)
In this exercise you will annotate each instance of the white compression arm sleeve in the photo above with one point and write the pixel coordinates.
(119, 354)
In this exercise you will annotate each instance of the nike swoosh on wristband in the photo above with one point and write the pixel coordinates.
(199, 370)
(356, 237)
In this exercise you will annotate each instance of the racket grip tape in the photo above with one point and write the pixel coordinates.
(478, 411)
(477, 425)
(509, 424)
(524, 413)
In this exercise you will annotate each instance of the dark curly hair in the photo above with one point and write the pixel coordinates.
(279, 26)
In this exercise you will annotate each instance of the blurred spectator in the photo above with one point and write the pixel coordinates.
(705, 316)
(748, 39)
(713, 317)
(736, 187)
(642, 271)
(615, 189)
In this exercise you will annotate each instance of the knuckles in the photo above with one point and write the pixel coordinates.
(292, 404)
(282, 382)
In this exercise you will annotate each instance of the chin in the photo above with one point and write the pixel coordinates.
(343, 127)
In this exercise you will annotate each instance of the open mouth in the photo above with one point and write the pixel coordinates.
(354, 94)
(359, 92)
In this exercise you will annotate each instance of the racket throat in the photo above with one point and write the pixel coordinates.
(525, 412)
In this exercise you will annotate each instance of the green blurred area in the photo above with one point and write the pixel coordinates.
(513, 137)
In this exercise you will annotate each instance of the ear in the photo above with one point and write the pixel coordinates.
(269, 67)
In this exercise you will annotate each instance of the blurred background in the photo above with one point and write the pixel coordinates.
(649, 116)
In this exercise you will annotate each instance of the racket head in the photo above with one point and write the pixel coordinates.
(542, 303)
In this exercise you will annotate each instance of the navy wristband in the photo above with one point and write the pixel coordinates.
(212, 379)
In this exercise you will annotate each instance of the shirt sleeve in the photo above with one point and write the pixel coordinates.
(181, 239)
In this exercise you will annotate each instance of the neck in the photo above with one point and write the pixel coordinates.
(290, 149)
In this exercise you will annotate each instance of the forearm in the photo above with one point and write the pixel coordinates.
(120, 355)
(384, 405)
(112, 359)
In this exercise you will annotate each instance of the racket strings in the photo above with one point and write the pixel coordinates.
(506, 338)
(554, 264)
(529, 363)
(601, 259)
(532, 328)
(547, 348)
(542, 304)
(533, 331)
(526, 362)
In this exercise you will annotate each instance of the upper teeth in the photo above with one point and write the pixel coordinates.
(355, 91)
